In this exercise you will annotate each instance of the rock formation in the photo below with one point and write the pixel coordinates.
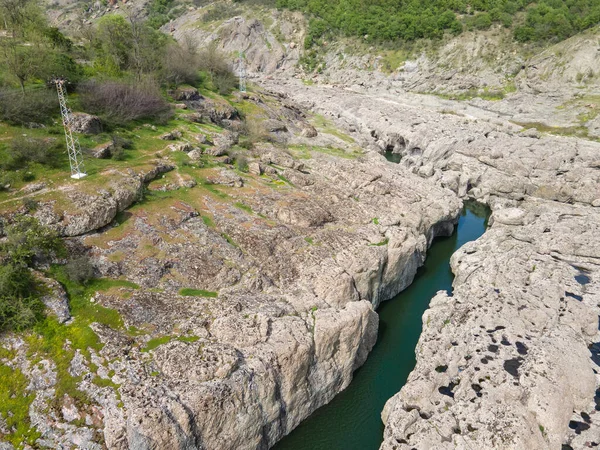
(509, 360)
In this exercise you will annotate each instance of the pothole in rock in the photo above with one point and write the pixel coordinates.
(578, 427)
(392, 157)
(447, 390)
(521, 348)
(595, 351)
(582, 279)
(512, 366)
(575, 296)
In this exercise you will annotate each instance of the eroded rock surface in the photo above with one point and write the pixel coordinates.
(245, 300)
(510, 359)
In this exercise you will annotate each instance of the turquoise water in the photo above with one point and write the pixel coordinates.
(352, 420)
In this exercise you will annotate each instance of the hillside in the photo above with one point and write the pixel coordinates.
(215, 277)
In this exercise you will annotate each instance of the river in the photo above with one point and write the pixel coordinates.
(352, 420)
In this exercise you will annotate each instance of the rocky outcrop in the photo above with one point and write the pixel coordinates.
(509, 359)
(55, 299)
(90, 211)
(287, 262)
(85, 123)
(286, 331)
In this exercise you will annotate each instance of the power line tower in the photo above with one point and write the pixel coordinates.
(242, 72)
(73, 147)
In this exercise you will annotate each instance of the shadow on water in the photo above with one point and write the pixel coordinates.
(352, 420)
(393, 157)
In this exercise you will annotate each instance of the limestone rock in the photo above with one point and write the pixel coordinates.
(185, 147)
(255, 167)
(85, 123)
(103, 151)
(56, 299)
(171, 135)
(185, 94)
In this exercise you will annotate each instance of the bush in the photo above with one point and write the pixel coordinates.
(215, 64)
(15, 281)
(30, 204)
(241, 163)
(18, 314)
(24, 150)
(79, 270)
(120, 144)
(37, 106)
(181, 63)
(119, 102)
(26, 243)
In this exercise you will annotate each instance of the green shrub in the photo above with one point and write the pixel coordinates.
(34, 106)
(241, 163)
(24, 150)
(79, 270)
(212, 61)
(26, 243)
(20, 313)
(120, 102)
(16, 281)
(30, 204)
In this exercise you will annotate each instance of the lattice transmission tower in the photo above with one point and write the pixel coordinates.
(73, 147)
(242, 72)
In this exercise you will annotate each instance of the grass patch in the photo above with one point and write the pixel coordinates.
(208, 221)
(578, 131)
(326, 126)
(188, 338)
(244, 207)
(284, 179)
(380, 244)
(153, 343)
(190, 292)
(309, 240)
(49, 338)
(157, 342)
(305, 151)
(15, 401)
(229, 240)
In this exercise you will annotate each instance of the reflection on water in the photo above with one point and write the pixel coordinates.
(393, 157)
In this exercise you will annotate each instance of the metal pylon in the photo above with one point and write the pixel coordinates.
(242, 72)
(73, 147)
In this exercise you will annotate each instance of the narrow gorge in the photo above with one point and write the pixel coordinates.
(294, 232)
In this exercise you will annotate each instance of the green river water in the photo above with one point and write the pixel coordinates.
(352, 420)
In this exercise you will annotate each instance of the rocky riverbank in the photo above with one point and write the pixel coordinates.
(509, 359)
(240, 301)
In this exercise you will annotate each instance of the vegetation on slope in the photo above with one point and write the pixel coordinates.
(408, 20)
(120, 68)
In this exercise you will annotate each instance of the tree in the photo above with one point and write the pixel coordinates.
(112, 44)
(181, 63)
(21, 50)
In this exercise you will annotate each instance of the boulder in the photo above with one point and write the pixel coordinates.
(182, 147)
(308, 130)
(55, 299)
(103, 151)
(171, 135)
(185, 94)
(255, 168)
(85, 123)
(274, 126)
